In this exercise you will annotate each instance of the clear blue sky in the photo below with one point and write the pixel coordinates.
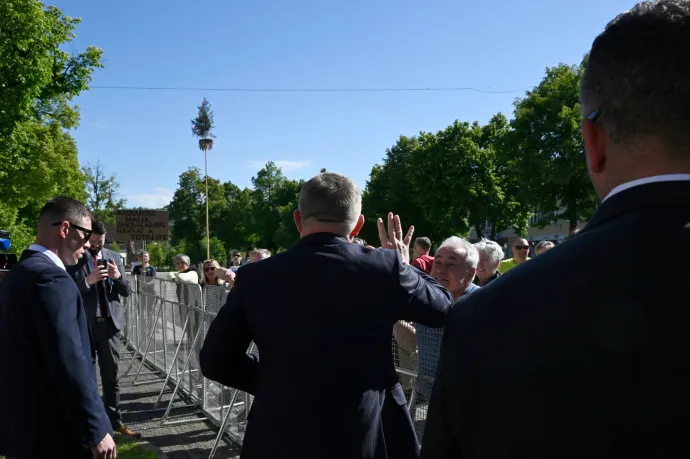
(144, 137)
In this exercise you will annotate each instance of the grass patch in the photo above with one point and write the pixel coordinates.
(128, 449)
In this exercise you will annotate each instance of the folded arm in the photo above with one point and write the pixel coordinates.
(224, 357)
(71, 367)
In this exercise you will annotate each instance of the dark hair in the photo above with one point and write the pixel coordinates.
(98, 227)
(330, 198)
(63, 208)
(638, 76)
(423, 242)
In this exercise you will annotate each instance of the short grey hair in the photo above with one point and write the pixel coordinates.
(544, 245)
(331, 198)
(492, 249)
(637, 76)
(183, 258)
(464, 248)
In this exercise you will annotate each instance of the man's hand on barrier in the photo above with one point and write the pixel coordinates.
(226, 274)
(97, 275)
(105, 449)
(393, 238)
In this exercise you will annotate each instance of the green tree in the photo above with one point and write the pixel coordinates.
(101, 192)
(269, 193)
(218, 252)
(187, 211)
(547, 149)
(392, 187)
(38, 159)
(38, 78)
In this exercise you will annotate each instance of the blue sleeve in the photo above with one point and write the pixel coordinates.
(422, 299)
(70, 366)
(224, 357)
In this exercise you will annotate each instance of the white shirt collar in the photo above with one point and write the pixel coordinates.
(646, 180)
(39, 248)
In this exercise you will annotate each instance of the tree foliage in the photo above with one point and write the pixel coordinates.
(101, 192)
(38, 80)
(547, 149)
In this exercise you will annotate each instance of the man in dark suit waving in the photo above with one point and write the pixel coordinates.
(98, 275)
(322, 315)
(595, 362)
(49, 402)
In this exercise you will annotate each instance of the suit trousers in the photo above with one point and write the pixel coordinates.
(107, 342)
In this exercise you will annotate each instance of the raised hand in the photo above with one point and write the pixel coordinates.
(393, 237)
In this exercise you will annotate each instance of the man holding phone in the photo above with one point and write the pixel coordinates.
(98, 275)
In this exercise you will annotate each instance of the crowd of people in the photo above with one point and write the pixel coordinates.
(578, 352)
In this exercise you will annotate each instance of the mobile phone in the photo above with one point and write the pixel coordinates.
(103, 264)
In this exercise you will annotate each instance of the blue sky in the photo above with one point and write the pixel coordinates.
(144, 137)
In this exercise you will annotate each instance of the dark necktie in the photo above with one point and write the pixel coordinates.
(100, 288)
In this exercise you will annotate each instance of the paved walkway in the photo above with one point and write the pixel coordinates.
(192, 440)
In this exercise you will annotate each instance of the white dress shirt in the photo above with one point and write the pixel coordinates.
(54, 258)
(646, 180)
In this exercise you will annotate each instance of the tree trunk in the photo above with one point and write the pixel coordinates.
(479, 230)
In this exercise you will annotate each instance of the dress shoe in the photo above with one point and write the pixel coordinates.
(122, 429)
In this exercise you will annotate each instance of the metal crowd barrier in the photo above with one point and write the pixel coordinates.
(166, 323)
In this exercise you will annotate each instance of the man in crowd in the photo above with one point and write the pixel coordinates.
(258, 255)
(325, 322)
(595, 361)
(455, 267)
(49, 401)
(520, 249)
(421, 252)
(98, 275)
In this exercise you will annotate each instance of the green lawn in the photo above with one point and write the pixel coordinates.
(127, 449)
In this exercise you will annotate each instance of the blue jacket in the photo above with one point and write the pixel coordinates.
(322, 316)
(49, 400)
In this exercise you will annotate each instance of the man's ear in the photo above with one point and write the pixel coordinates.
(358, 226)
(595, 146)
(471, 274)
(297, 217)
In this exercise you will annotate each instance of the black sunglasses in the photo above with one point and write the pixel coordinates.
(87, 232)
(210, 268)
(521, 247)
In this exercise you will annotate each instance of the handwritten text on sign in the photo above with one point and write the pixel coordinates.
(141, 225)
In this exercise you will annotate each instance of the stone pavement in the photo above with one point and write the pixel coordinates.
(192, 440)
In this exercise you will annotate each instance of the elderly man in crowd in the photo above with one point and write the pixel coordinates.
(543, 246)
(455, 267)
(490, 256)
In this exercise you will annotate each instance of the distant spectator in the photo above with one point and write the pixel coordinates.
(208, 276)
(520, 249)
(258, 255)
(490, 256)
(185, 274)
(235, 259)
(422, 259)
(143, 267)
(542, 247)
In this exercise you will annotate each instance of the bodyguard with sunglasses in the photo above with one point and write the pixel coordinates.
(49, 400)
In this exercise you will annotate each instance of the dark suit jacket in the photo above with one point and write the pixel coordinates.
(582, 351)
(120, 287)
(49, 401)
(322, 316)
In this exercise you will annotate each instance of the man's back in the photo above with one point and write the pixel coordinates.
(592, 360)
(321, 315)
(40, 409)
